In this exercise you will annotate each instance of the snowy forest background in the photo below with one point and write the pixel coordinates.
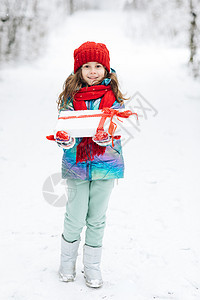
(25, 25)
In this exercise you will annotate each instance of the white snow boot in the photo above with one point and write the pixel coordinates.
(91, 261)
(69, 253)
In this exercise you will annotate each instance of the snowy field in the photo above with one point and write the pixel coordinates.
(152, 239)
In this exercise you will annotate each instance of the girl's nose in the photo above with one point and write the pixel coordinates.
(93, 70)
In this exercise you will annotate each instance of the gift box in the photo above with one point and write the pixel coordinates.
(84, 123)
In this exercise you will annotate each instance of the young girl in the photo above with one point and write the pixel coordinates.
(90, 165)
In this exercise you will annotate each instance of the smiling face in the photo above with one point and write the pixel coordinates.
(93, 72)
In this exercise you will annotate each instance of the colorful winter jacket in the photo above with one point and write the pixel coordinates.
(107, 166)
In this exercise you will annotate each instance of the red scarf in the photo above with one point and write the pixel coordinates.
(87, 149)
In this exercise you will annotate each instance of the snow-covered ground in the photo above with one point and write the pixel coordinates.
(152, 239)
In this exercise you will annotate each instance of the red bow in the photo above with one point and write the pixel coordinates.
(110, 112)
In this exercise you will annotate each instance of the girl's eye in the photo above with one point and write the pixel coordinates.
(98, 66)
(86, 66)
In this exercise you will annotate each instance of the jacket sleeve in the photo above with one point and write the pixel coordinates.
(67, 106)
(71, 141)
(117, 105)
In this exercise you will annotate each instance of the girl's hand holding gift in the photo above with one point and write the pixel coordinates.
(102, 138)
(64, 140)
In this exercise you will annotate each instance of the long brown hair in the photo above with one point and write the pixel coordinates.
(74, 82)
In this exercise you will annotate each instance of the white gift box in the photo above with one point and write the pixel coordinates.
(83, 123)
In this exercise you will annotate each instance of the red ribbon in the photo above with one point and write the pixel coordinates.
(50, 137)
(79, 117)
(110, 112)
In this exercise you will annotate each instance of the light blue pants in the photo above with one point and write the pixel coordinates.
(87, 205)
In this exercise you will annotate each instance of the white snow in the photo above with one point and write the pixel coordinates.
(152, 239)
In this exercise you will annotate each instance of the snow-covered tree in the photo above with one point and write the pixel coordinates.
(20, 28)
(194, 38)
(176, 22)
(25, 24)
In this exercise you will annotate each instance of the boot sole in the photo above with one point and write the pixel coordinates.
(92, 285)
(65, 279)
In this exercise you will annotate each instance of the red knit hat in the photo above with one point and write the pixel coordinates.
(91, 51)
